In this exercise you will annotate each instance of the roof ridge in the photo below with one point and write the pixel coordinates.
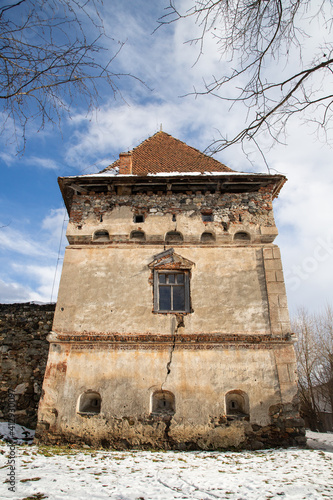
(167, 154)
(149, 138)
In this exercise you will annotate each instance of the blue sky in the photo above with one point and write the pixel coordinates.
(31, 208)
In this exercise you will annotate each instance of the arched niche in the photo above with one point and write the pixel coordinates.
(163, 403)
(174, 237)
(101, 235)
(237, 404)
(138, 236)
(207, 237)
(89, 402)
(242, 236)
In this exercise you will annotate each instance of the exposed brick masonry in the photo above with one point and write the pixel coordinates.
(227, 208)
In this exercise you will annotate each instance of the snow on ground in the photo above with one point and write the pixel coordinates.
(318, 441)
(65, 473)
(16, 433)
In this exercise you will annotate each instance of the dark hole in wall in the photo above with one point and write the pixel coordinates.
(139, 218)
(207, 217)
(90, 402)
(163, 403)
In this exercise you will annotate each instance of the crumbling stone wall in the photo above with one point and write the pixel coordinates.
(23, 356)
(230, 208)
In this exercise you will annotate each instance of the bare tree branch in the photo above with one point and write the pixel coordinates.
(253, 38)
(314, 351)
(53, 54)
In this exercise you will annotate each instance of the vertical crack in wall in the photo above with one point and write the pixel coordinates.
(177, 321)
(167, 438)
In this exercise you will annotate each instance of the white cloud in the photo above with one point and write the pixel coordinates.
(120, 128)
(14, 292)
(55, 226)
(35, 277)
(303, 215)
(19, 242)
(46, 278)
(7, 158)
(41, 244)
(167, 64)
(47, 163)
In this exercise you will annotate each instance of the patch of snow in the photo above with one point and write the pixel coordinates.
(39, 303)
(16, 433)
(176, 173)
(67, 473)
(320, 441)
(165, 174)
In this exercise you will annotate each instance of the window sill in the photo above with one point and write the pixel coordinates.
(87, 413)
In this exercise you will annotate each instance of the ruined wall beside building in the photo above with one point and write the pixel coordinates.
(24, 350)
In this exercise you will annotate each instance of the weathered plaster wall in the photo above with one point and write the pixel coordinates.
(126, 379)
(24, 350)
(236, 286)
(109, 289)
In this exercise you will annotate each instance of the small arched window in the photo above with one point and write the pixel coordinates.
(138, 236)
(89, 402)
(174, 237)
(163, 403)
(101, 235)
(207, 237)
(242, 236)
(237, 404)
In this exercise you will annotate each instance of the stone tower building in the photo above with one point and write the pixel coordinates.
(171, 327)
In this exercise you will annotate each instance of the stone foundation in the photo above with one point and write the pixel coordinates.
(163, 433)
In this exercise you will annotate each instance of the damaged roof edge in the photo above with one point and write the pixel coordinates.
(77, 183)
(102, 175)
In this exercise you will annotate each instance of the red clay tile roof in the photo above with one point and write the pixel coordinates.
(164, 153)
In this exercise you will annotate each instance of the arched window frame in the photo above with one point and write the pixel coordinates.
(211, 239)
(174, 237)
(171, 276)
